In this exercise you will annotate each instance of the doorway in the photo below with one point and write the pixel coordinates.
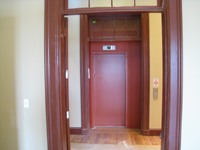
(172, 86)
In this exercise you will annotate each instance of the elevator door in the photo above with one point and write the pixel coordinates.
(109, 89)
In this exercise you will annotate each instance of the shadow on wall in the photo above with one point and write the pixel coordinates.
(8, 123)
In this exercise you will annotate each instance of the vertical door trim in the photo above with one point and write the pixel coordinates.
(145, 74)
(172, 77)
(57, 135)
(84, 65)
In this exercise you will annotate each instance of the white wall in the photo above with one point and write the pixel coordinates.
(191, 75)
(22, 75)
(74, 70)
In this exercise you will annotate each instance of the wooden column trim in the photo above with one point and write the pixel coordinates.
(145, 74)
(84, 65)
(54, 76)
(172, 90)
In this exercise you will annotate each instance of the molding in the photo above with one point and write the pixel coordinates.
(75, 130)
(145, 74)
(172, 78)
(155, 132)
(84, 65)
(151, 132)
(139, 9)
(79, 131)
(54, 80)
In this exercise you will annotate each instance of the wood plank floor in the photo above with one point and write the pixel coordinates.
(115, 135)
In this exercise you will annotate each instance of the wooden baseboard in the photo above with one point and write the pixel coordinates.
(75, 130)
(145, 132)
(152, 132)
(155, 132)
(78, 131)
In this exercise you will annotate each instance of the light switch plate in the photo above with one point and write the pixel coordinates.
(26, 103)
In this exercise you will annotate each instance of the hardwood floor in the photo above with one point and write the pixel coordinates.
(115, 135)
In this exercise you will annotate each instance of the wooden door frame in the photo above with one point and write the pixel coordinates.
(57, 134)
(85, 83)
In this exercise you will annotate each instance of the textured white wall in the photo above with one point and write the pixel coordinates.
(22, 75)
(74, 70)
(191, 75)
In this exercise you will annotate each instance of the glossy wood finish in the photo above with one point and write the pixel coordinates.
(159, 3)
(75, 130)
(111, 135)
(133, 85)
(66, 102)
(172, 90)
(145, 74)
(84, 65)
(155, 132)
(104, 10)
(54, 84)
(54, 77)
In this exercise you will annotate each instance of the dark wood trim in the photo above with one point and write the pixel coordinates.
(84, 65)
(88, 3)
(111, 3)
(65, 4)
(57, 135)
(104, 10)
(159, 3)
(145, 74)
(172, 90)
(134, 2)
(54, 71)
(155, 132)
(114, 39)
(75, 130)
(66, 80)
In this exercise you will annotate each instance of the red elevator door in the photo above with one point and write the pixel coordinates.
(109, 89)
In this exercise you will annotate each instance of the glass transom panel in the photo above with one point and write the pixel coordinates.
(77, 4)
(100, 3)
(121, 3)
(146, 2)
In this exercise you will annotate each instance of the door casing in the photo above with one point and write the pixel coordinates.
(55, 70)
